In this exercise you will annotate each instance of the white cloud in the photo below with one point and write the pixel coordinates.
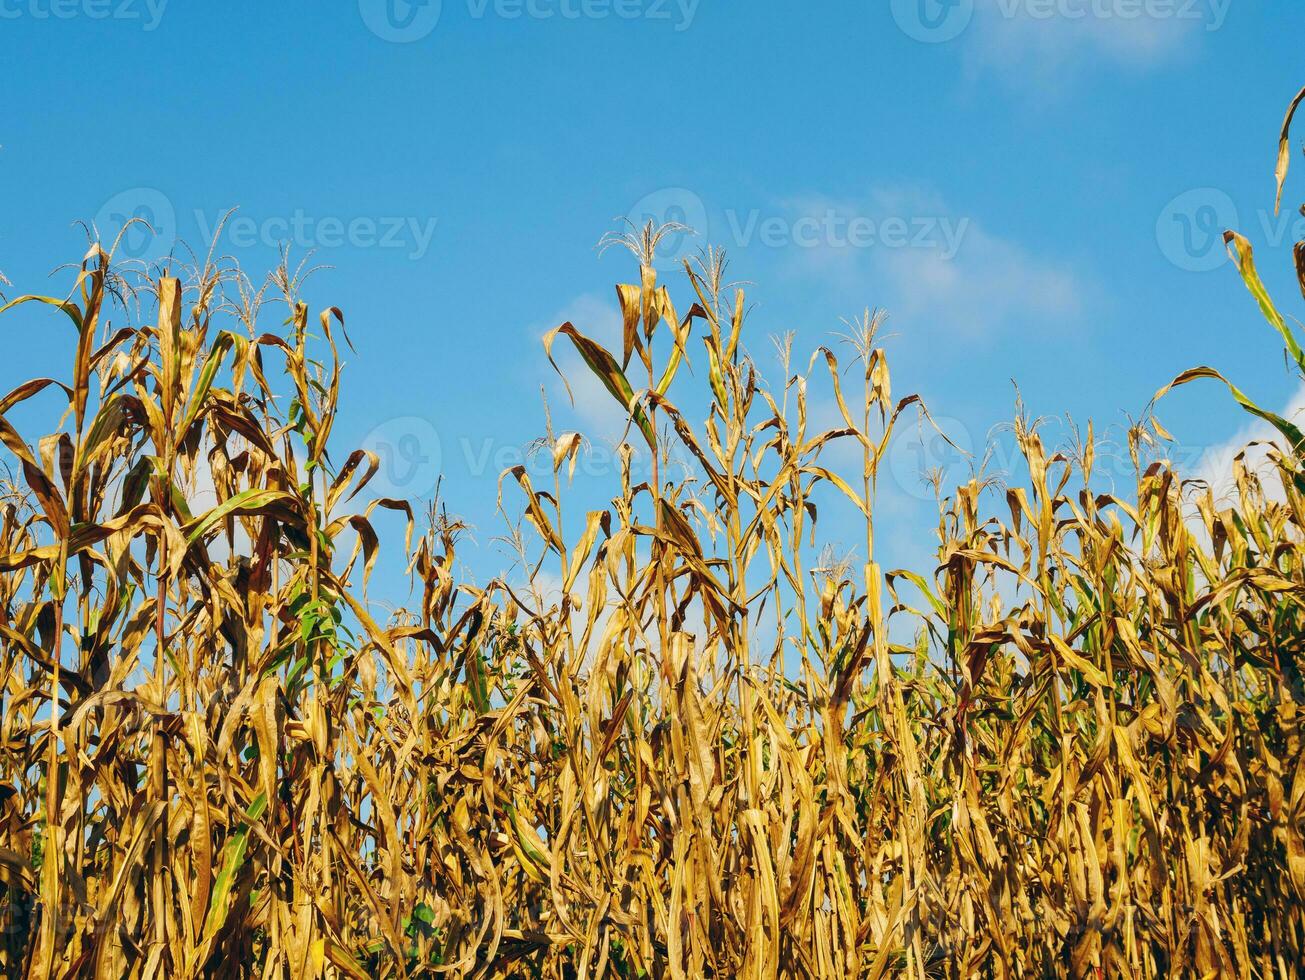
(1051, 40)
(988, 282)
(948, 269)
(1216, 463)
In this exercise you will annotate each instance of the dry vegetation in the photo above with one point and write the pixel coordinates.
(699, 757)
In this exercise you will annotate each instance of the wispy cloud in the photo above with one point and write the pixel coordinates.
(964, 278)
(990, 282)
(1216, 466)
(1052, 41)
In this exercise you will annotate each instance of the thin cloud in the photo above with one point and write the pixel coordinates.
(951, 271)
(1216, 465)
(989, 283)
(1051, 42)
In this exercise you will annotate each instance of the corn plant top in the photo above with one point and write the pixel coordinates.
(1071, 747)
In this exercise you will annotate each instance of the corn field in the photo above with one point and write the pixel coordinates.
(1074, 746)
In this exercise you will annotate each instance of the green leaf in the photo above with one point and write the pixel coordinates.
(73, 311)
(249, 501)
(1294, 436)
(211, 364)
(233, 856)
(604, 366)
(1240, 249)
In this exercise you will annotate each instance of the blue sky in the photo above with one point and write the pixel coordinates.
(1031, 188)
